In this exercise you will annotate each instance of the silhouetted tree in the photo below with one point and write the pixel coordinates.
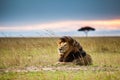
(86, 29)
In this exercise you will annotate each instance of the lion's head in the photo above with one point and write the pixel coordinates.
(67, 44)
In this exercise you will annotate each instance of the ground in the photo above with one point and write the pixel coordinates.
(35, 59)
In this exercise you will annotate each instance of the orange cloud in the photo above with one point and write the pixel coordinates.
(68, 25)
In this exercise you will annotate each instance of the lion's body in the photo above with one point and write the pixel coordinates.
(71, 51)
(71, 56)
(87, 60)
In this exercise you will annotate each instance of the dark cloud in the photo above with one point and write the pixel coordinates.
(32, 11)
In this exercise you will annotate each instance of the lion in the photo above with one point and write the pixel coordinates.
(71, 51)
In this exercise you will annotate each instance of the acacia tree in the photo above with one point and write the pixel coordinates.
(86, 29)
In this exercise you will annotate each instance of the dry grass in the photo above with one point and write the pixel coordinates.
(23, 52)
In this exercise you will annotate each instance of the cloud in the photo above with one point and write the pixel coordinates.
(67, 25)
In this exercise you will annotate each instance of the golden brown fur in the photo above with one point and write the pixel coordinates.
(83, 61)
(68, 46)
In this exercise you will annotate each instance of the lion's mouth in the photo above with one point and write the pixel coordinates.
(61, 51)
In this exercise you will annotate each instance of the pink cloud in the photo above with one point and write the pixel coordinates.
(67, 25)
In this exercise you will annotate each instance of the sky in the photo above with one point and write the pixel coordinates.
(59, 17)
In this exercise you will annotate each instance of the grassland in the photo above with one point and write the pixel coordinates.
(19, 53)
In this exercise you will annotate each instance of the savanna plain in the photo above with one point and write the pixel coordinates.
(35, 59)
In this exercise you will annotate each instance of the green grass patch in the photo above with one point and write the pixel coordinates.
(61, 75)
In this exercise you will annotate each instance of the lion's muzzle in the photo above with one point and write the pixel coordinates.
(61, 51)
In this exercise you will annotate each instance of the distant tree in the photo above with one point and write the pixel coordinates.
(86, 29)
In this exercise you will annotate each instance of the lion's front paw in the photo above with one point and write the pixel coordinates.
(60, 62)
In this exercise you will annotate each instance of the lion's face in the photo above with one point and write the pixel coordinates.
(63, 47)
(67, 44)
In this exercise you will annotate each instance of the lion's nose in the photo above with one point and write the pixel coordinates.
(60, 49)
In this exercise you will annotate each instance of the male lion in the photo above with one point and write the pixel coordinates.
(71, 51)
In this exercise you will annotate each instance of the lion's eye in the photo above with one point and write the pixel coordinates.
(65, 45)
